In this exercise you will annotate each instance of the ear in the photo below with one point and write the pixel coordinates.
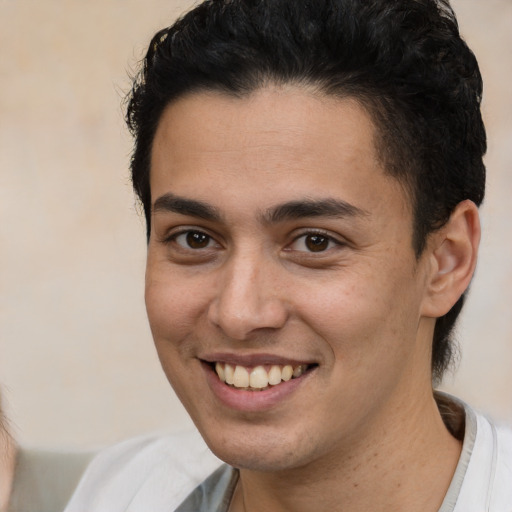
(453, 253)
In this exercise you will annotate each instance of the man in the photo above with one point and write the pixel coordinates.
(310, 174)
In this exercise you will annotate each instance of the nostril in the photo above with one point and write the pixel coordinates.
(241, 319)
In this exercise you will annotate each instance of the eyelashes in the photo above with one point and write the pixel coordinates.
(196, 240)
(314, 242)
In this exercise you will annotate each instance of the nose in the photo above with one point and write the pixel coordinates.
(248, 299)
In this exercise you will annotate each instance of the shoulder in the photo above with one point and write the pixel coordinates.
(502, 483)
(156, 472)
(488, 479)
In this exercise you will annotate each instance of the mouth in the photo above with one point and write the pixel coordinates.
(258, 378)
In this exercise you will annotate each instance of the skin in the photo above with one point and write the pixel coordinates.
(362, 428)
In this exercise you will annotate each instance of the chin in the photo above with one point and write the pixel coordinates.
(255, 460)
(265, 451)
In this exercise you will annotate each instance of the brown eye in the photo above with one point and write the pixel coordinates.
(313, 243)
(197, 240)
(193, 240)
(316, 243)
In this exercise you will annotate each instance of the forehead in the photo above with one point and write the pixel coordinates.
(270, 116)
(275, 141)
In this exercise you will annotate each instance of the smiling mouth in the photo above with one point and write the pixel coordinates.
(258, 378)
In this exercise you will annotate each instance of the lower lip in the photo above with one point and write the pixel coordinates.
(251, 401)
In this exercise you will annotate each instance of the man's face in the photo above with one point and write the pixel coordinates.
(278, 241)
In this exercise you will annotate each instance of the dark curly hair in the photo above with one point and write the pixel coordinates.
(403, 60)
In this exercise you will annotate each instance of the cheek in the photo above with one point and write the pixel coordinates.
(364, 320)
(173, 310)
(173, 305)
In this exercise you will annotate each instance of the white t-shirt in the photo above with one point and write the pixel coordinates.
(168, 474)
(148, 474)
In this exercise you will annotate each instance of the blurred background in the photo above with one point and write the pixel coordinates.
(77, 363)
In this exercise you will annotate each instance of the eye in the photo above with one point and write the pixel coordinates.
(313, 242)
(194, 240)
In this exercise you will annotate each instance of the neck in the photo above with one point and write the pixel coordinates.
(387, 472)
(7, 466)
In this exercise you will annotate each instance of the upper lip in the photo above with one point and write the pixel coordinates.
(251, 360)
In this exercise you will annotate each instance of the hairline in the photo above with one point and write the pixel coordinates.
(367, 100)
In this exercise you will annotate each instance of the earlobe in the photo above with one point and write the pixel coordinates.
(453, 253)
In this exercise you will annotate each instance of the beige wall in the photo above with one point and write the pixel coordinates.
(77, 366)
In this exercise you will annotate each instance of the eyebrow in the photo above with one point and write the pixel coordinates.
(328, 207)
(191, 207)
(291, 210)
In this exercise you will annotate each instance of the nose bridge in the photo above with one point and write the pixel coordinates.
(247, 298)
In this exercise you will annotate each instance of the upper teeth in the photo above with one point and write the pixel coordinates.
(257, 377)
